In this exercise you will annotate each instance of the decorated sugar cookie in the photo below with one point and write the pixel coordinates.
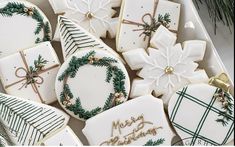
(28, 122)
(166, 67)
(75, 38)
(139, 21)
(20, 18)
(96, 16)
(63, 137)
(138, 122)
(90, 82)
(31, 73)
(202, 115)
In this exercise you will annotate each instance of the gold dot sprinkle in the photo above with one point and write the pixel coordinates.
(169, 70)
(89, 15)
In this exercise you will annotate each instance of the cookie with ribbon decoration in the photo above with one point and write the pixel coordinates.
(202, 114)
(31, 73)
(74, 38)
(90, 82)
(166, 66)
(19, 17)
(96, 16)
(27, 122)
(63, 137)
(137, 27)
(138, 122)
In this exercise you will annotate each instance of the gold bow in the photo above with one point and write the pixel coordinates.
(31, 78)
(221, 81)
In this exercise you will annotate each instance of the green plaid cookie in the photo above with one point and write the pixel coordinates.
(200, 115)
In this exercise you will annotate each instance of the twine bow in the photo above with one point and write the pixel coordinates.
(32, 78)
(147, 27)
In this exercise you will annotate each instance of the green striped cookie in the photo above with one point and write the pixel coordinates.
(201, 117)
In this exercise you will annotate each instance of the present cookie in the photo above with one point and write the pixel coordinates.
(19, 17)
(137, 27)
(28, 122)
(63, 137)
(202, 115)
(90, 82)
(74, 38)
(138, 122)
(96, 16)
(31, 73)
(166, 67)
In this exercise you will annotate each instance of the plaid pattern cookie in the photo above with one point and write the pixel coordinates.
(202, 115)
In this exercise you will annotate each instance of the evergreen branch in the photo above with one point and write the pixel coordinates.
(219, 10)
(109, 102)
(155, 143)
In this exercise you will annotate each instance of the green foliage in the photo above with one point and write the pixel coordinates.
(155, 143)
(164, 20)
(20, 9)
(113, 72)
(38, 64)
(219, 11)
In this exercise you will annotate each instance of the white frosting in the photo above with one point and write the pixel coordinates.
(129, 39)
(89, 83)
(28, 122)
(12, 28)
(99, 22)
(187, 111)
(167, 67)
(147, 109)
(63, 137)
(9, 65)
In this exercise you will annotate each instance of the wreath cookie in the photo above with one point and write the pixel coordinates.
(90, 82)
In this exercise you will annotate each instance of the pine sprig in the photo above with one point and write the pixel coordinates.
(20, 9)
(113, 72)
(155, 143)
(219, 11)
(38, 64)
(164, 20)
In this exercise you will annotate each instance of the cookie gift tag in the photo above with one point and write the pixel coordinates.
(63, 137)
(28, 122)
(203, 114)
(19, 17)
(90, 82)
(166, 66)
(138, 122)
(74, 38)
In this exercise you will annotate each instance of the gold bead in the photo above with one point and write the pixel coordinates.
(65, 103)
(30, 13)
(89, 15)
(26, 9)
(225, 104)
(117, 95)
(169, 70)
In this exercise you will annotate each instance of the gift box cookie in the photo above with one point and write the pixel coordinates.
(138, 122)
(31, 73)
(27, 122)
(19, 18)
(136, 27)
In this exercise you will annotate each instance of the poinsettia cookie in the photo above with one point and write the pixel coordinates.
(90, 82)
(141, 121)
(166, 66)
(19, 18)
(27, 122)
(96, 16)
(202, 115)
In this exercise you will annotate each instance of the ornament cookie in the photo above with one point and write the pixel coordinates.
(202, 115)
(19, 17)
(75, 38)
(96, 16)
(137, 27)
(28, 122)
(167, 67)
(63, 137)
(31, 73)
(138, 122)
(90, 82)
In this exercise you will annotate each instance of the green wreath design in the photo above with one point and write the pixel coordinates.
(20, 9)
(113, 73)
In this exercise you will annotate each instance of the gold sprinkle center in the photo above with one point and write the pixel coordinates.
(169, 70)
(89, 15)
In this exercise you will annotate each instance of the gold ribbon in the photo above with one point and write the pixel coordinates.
(31, 78)
(147, 28)
(221, 81)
